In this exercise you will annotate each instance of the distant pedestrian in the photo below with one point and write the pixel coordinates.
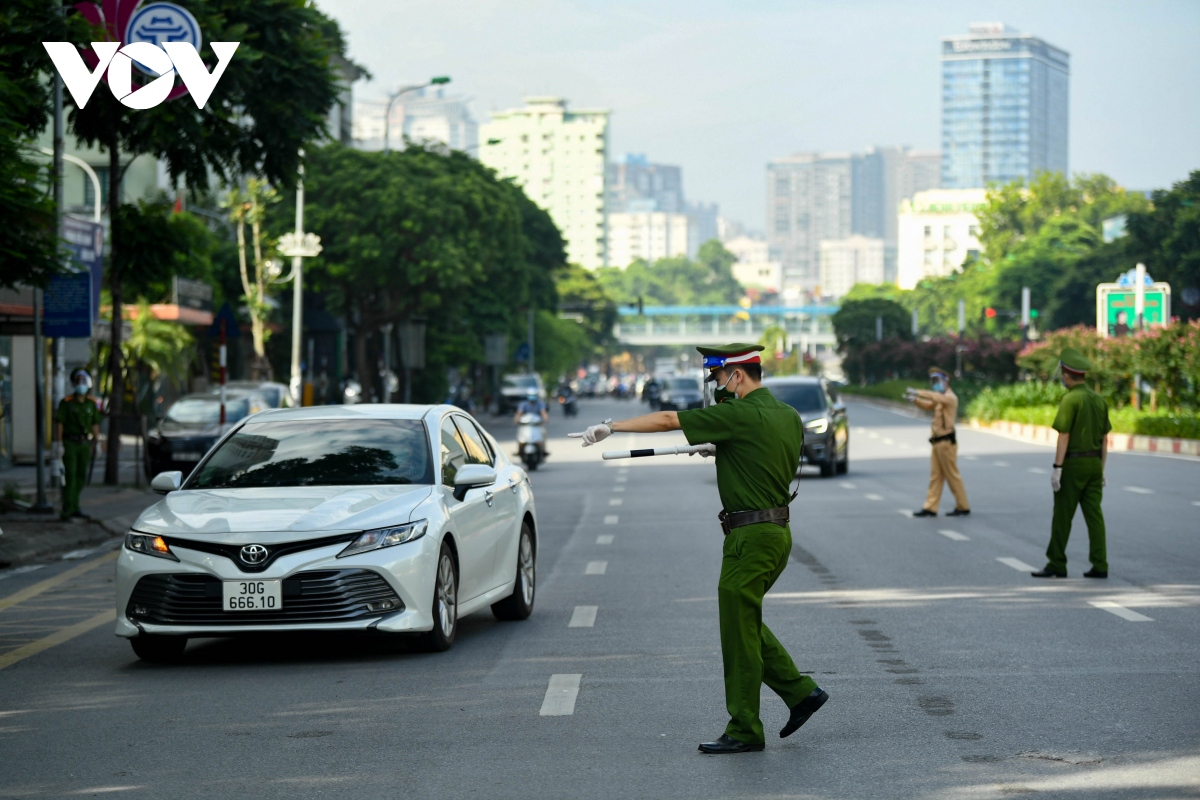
(1078, 476)
(943, 459)
(77, 429)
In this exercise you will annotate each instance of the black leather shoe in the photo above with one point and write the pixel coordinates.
(1095, 573)
(924, 512)
(727, 744)
(803, 710)
(1047, 573)
(960, 512)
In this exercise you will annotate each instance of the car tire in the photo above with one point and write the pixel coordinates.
(159, 649)
(829, 467)
(844, 465)
(519, 604)
(445, 604)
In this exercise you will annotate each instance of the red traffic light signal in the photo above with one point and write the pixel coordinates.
(989, 312)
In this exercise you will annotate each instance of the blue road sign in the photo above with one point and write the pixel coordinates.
(72, 300)
(231, 323)
(522, 353)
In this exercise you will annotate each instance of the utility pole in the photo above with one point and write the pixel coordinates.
(878, 329)
(916, 324)
(531, 313)
(299, 245)
(1025, 305)
(962, 317)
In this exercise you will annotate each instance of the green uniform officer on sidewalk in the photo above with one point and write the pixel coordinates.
(757, 441)
(1078, 477)
(78, 427)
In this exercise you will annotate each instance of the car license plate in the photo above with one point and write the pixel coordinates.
(187, 456)
(253, 595)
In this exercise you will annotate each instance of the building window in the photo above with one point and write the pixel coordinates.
(973, 231)
(945, 231)
(928, 231)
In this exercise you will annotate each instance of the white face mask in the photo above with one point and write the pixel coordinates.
(81, 388)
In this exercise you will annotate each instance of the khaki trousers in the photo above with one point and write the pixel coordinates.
(943, 468)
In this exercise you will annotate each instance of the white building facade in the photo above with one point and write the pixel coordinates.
(649, 235)
(426, 116)
(559, 157)
(939, 231)
(845, 262)
(754, 268)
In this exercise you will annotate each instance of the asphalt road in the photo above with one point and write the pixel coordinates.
(952, 673)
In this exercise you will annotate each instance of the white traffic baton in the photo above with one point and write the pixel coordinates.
(683, 450)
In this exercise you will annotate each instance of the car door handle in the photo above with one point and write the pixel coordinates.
(513, 484)
(488, 497)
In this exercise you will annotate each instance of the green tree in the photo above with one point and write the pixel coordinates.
(250, 205)
(269, 104)
(708, 280)
(579, 292)
(1167, 240)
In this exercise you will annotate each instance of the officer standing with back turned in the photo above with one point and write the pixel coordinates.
(1078, 476)
(757, 441)
(78, 425)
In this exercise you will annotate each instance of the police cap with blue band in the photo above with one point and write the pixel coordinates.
(732, 355)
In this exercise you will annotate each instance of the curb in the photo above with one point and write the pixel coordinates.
(1117, 442)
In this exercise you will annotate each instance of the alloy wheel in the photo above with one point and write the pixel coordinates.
(447, 603)
(526, 566)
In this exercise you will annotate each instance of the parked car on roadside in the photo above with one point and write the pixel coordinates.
(276, 394)
(679, 394)
(193, 425)
(826, 429)
(514, 389)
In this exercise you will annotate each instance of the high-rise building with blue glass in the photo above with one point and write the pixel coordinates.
(1004, 107)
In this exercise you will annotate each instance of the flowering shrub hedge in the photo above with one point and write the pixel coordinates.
(983, 359)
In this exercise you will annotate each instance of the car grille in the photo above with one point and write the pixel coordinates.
(274, 551)
(319, 596)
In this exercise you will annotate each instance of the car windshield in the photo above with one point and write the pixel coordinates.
(685, 385)
(804, 397)
(319, 453)
(195, 411)
(521, 382)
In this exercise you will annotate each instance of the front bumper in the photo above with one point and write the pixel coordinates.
(320, 591)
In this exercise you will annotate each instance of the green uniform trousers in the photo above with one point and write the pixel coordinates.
(754, 557)
(1081, 486)
(77, 456)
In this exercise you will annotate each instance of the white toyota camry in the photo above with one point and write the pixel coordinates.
(396, 519)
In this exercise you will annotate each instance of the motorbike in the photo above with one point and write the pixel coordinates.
(569, 406)
(531, 440)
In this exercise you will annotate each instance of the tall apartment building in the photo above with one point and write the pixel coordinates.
(648, 235)
(845, 262)
(1004, 106)
(559, 157)
(635, 184)
(809, 198)
(939, 231)
(427, 115)
(884, 176)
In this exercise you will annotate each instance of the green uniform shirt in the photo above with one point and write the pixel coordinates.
(1084, 415)
(758, 443)
(77, 415)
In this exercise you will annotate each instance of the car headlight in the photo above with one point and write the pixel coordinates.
(386, 537)
(817, 425)
(148, 545)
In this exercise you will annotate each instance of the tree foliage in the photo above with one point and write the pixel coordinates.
(1167, 241)
(708, 280)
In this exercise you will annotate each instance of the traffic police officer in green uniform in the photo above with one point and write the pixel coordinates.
(78, 426)
(757, 442)
(1078, 477)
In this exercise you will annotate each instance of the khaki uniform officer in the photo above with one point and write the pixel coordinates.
(757, 442)
(1078, 476)
(943, 459)
(78, 425)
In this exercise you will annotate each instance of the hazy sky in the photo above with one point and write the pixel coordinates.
(722, 87)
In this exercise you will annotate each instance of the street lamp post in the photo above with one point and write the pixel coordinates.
(298, 245)
(387, 114)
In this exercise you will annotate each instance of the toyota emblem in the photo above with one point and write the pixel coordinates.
(254, 554)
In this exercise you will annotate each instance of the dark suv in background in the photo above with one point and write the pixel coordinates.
(826, 430)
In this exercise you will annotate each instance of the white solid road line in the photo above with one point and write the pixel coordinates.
(873, 496)
(560, 696)
(611, 519)
(605, 539)
(1138, 489)
(584, 617)
(955, 536)
(1120, 610)
(596, 568)
(1017, 564)
(1037, 470)
(850, 485)
(616, 501)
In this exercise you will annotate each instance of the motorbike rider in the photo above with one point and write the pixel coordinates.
(532, 404)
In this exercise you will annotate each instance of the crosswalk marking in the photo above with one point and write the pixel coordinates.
(561, 695)
(954, 536)
(604, 539)
(596, 568)
(1120, 610)
(583, 617)
(611, 519)
(1017, 564)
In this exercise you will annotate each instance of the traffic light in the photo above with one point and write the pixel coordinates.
(1033, 313)
(989, 313)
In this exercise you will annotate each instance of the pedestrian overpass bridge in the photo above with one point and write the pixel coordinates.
(808, 327)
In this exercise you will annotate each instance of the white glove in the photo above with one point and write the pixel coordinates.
(705, 451)
(595, 433)
(1103, 481)
(1056, 479)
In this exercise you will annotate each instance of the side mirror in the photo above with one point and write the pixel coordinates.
(839, 406)
(472, 476)
(167, 482)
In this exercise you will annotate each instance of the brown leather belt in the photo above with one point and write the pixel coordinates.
(1085, 454)
(739, 519)
(952, 436)
(74, 438)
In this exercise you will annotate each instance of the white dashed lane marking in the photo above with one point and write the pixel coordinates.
(1196, 502)
(606, 539)
(1037, 470)
(622, 478)
(596, 568)
(618, 488)
(886, 440)
(873, 496)
(847, 485)
(905, 512)
(1016, 564)
(1120, 610)
(561, 695)
(584, 617)
(616, 501)
(1138, 489)
(999, 463)
(611, 519)
(955, 536)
